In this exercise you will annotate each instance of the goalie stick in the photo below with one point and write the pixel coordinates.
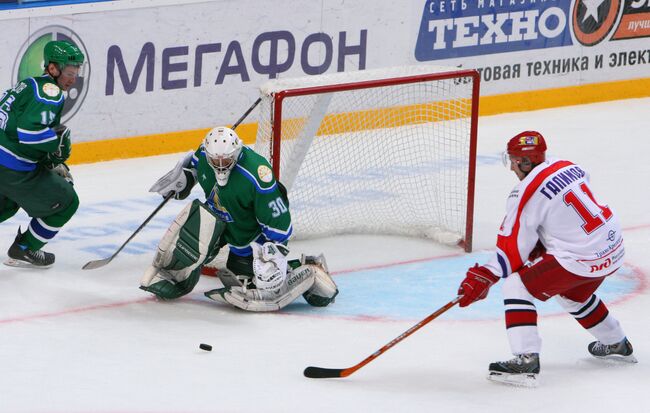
(91, 265)
(325, 373)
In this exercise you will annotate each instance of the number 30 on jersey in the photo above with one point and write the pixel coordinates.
(277, 207)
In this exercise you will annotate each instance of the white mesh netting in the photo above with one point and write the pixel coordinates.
(387, 159)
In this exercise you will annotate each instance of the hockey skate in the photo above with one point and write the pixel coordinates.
(21, 256)
(520, 371)
(617, 352)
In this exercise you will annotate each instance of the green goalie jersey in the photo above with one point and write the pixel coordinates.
(251, 203)
(27, 114)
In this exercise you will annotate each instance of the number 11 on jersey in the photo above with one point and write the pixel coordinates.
(591, 222)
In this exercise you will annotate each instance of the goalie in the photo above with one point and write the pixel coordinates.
(245, 208)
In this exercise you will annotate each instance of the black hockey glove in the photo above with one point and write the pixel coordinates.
(65, 146)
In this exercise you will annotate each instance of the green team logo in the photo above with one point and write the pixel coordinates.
(29, 62)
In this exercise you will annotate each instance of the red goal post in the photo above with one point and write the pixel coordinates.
(386, 151)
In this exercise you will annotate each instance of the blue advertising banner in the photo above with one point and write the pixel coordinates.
(461, 28)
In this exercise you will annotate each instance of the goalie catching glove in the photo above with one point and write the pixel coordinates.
(191, 240)
(310, 279)
(269, 265)
(179, 180)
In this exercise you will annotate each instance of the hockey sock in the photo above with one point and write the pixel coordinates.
(521, 325)
(521, 317)
(594, 317)
(38, 234)
(41, 230)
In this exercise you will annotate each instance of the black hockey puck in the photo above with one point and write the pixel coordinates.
(205, 347)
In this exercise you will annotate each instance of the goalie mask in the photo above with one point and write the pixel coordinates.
(222, 149)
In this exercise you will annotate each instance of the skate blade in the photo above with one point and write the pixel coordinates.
(23, 264)
(617, 358)
(528, 380)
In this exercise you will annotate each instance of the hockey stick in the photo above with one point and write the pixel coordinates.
(325, 373)
(248, 111)
(91, 265)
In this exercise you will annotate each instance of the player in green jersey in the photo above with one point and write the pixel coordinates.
(34, 146)
(245, 208)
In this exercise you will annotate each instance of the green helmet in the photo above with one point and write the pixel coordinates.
(63, 53)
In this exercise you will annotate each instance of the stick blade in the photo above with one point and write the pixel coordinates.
(322, 373)
(91, 265)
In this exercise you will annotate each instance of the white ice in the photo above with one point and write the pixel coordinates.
(90, 341)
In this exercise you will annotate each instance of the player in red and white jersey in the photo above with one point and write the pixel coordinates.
(556, 240)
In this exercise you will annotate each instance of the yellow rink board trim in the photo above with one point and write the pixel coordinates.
(148, 145)
(567, 96)
(174, 142)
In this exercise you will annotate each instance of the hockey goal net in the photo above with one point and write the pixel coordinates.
(388, 151)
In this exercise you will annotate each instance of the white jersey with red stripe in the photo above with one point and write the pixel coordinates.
(555, 205)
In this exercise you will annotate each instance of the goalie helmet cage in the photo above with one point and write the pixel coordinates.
(387, 151)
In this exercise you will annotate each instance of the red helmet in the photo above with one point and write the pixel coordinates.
(529, 144)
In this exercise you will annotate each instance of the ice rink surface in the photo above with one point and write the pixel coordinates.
(74, 341)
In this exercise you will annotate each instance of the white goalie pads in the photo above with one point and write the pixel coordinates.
(295, 284)
(305, 279)
(324, 289)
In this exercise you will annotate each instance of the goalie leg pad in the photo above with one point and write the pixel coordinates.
(166, 288)
(191, 240)
(297, 282)
(324, 289)
(229, 279)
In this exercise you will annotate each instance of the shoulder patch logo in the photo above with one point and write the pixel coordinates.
(265, 173)
(51, 90)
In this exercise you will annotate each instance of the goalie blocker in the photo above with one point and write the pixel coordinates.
(193, 240)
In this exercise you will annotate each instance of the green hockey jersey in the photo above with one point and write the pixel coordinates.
(251, 203)
(27, 114)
